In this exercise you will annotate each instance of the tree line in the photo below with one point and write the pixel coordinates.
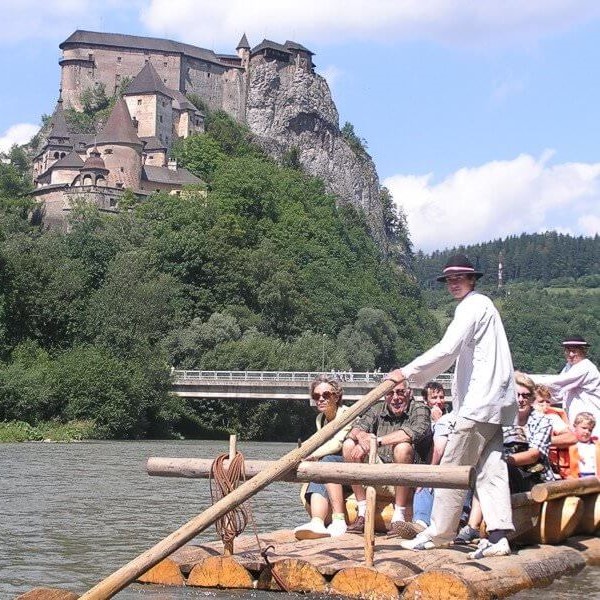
(540, 257)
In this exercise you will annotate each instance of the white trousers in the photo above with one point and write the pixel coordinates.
(479, 445)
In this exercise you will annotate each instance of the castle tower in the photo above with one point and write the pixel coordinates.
(150, 104)
(58, 142)
(243, 51)
(93, 171)
(121, 149)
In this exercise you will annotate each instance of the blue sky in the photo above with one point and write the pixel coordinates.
(483, 118)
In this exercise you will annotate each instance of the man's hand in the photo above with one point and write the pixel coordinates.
(358, 453)
(436, 413)
(397, 376)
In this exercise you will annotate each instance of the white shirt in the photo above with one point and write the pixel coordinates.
(578, 388)
(483, 386)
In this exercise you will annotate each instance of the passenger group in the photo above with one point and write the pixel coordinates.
(515, 429)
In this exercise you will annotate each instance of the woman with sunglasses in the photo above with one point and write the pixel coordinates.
(325, 499)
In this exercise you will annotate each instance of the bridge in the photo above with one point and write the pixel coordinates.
(271, 385)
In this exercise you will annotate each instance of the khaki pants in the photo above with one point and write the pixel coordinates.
(479, 445)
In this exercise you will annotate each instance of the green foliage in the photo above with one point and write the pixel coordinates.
(527, 257)
(358, 144)
(261, 271)
(20, 431)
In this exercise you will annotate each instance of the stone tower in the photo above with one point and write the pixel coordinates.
(121, 149)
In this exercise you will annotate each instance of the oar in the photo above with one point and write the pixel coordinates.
(114, 583)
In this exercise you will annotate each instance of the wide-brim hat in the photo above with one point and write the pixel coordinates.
(575, 340)
(459, 264)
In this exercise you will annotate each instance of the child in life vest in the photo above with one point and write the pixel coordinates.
(585, 455)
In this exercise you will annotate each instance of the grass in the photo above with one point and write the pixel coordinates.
(20, 431)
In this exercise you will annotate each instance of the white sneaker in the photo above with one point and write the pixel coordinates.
(422, 541)
(486, 548)
(313, 530)
(337, 527)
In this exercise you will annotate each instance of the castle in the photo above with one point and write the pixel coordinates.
(272, 88)
(131, 150)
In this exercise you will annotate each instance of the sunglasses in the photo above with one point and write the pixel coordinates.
(527, 395)
(326, 395)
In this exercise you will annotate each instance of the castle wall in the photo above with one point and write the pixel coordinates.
(124, 164)
(155, 158)
(63, 176)
(154, 114)
(83, 67)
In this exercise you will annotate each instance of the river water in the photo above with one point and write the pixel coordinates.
(71, 514)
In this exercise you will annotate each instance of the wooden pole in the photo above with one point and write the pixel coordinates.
(228, 545)
(370, 514)
(542, 492)
(121, 578)
(410, 475)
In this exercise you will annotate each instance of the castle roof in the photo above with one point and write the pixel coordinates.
(119, 128)
(178, 176)
(244, 45)
(58, 123)
(296, 46)
(147, 81)
(153, 143)
(94, 161)
(70, 161)
(269, 44)
(94, 38)
(181, 102)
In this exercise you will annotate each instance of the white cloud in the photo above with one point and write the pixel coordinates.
(20, 133)
(497, 199)
(34, 20)
(462, 22)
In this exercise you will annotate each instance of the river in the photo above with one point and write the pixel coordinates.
(70, 514)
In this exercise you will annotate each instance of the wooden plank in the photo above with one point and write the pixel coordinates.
(444, 476)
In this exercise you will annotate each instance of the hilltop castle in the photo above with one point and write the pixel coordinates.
(272, 88)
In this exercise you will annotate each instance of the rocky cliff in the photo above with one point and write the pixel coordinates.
(290, 108)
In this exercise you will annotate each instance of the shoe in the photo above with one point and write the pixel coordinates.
(313, 530)
(337, 527)
(424, 541)
(486, 548)
(357, 527)
(404, 529)
(466, 535)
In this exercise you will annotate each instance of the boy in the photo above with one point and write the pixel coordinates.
(585, 454)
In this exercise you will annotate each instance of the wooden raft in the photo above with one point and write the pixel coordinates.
(336, 566)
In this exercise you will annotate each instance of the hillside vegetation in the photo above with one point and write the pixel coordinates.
(260, 270)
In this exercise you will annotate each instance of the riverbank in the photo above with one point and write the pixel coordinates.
(50, 431)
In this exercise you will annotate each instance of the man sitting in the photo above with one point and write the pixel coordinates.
(403, 429)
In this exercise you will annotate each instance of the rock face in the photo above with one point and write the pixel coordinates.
(289, 108)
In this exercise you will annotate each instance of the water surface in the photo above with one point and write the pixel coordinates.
(71, 514)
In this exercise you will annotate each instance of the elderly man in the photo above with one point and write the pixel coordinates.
(403, 430)
(484, 400)
(578, 384)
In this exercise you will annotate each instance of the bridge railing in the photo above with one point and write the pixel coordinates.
(304, 376)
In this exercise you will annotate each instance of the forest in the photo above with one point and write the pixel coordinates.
(258, 269)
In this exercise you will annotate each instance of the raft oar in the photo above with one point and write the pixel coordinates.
(121, 578)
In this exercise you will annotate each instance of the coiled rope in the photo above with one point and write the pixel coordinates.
(233, 523)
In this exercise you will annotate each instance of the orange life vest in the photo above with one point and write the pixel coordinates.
(574, 459)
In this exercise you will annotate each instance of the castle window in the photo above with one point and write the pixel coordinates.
(165, 63)
(122, 169)
(112, 202)
(90, 57)
(118, 59)
(139, 101)
(151, 157)
(160, 118)
(117, 77)
(62, 154)
(56, 155)
(108, 151)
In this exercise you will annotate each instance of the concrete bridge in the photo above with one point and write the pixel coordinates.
(271, 385)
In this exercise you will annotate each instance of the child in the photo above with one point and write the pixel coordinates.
(585, 455)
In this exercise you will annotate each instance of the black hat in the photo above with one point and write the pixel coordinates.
(459, 264)
(575, 340)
